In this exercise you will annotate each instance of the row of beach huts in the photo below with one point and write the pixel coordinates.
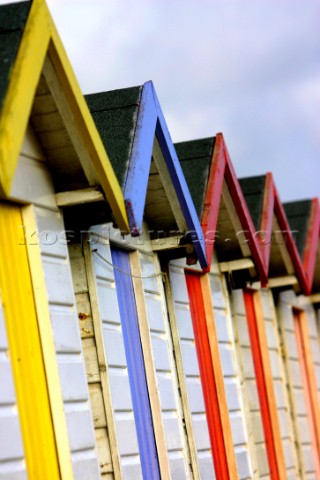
(159, 317)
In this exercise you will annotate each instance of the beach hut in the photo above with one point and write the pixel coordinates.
(259, 347)
(50, 154)
(131, 369)
(294, 319)
(304, 221)
(236, 262)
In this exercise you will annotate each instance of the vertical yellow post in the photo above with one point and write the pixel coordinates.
(25, 349)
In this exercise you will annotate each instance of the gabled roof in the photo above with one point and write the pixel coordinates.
(135, 135)
(304, 218)
(276, 240)
(29, 43)
(211, 177)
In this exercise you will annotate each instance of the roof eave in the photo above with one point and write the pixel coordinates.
(40, 38)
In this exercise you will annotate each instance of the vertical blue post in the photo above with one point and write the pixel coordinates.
(137, 374)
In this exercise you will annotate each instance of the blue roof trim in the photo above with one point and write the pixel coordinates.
(151, 122)
(180, 185)
(135, 188)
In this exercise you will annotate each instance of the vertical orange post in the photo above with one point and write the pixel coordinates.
(309, 382)
(264, 379)
(225, 469)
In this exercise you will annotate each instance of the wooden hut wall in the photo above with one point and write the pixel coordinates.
(227, 362)
(250, 387)
(230, 368)
(39, 191)
(190, 382)
(12, 458)
(167, 412)
(153, 297)
(95, 364)
(282, 432)
(313, 329)
(279, 383)
(106, 363)
(308, 454)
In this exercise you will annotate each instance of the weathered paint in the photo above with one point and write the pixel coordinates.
(25, 348)
(135, 362)
(90, 327)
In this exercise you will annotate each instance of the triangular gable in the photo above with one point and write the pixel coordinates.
(32, 55)
(209, 171)
(274, 236)
(135, 135)
(304, 218)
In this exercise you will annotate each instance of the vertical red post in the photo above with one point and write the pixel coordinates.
(208, 379)
(309, 382)
(264, 379)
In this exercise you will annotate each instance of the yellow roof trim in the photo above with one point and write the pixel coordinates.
(17, 103)
(40, 38)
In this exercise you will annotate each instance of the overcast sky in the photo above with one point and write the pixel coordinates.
(247, 68)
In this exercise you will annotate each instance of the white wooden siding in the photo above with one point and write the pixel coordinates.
(39, 190)
(191, 369)
(314, 337)
(122, 407)
(165, 369)
(12, 462)
(231, 374)
(287, 300)
(249, 386)
(279, 382)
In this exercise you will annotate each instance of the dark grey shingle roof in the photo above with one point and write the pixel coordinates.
(195, 158)
(298, 214)
(13, 19)
(115, 114)
(253, 191)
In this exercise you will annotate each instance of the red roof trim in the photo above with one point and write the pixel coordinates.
(312, 242)
(290, 243)
(265, 236)
(222, 168)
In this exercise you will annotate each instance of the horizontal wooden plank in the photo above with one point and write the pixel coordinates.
(167, 243)
(236, 265)
(77, 197)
